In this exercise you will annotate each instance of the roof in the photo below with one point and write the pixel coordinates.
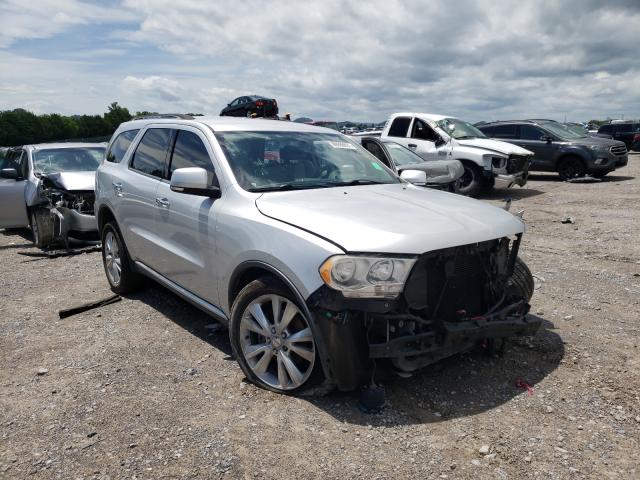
(230, 124)
(428, 116)
(499, 122)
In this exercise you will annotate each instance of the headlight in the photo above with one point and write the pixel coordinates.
(366, 277)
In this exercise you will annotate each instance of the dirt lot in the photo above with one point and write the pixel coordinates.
(144, 389)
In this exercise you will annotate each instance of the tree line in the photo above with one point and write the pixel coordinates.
(21, 127)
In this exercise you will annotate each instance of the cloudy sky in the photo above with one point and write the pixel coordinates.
(480, 60)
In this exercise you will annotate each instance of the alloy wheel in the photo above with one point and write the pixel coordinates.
(112, 258)
(277, 342)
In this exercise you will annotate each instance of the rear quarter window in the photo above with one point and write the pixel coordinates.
(399, 127)
(120, 146)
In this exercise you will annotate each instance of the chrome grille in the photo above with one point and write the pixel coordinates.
(618, 150)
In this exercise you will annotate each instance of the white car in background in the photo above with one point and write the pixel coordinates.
(487, 162)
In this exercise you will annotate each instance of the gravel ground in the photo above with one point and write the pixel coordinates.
(147, 388)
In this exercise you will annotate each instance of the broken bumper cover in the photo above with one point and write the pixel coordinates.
(70, 222)
(456, 336)
(508, 181)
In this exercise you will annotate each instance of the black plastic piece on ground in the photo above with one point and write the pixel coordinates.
(67, 312)
(372, 399)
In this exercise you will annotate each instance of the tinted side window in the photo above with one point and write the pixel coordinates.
(120, 145)
(605, 129)
(422, 131)
(624, 127)
(529, 132)
(377, 151)
(488, 131)
(399, 127)
(189, 151)
(151, 152)
(504, 131)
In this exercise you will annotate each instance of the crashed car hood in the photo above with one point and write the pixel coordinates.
(73, 181)
(394, 218)
(494, 146)
(438, 171)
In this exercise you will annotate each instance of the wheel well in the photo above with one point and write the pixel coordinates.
(104, 215)
(244, 278)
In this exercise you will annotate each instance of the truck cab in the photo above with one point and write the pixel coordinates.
(487, 163)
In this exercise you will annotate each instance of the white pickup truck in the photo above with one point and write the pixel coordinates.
(487, 163)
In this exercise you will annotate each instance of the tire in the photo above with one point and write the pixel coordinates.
(521, 282)
(472, 181)
(117, 265)
(570, 167)
(42, 227)
(264, 348)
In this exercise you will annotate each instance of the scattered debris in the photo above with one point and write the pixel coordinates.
(67, 312)
(484, 449)
(524, 386)
(42, 371)
(191, 371)
(568, 317)
(585, 179)
(62, 252)
(568, 219)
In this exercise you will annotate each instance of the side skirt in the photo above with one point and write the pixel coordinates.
(183, 293)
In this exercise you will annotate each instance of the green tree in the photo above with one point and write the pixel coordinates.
(116, 115)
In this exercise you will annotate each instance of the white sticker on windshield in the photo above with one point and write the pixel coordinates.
(345, 145)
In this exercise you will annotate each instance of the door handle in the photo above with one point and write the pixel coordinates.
(163, 202)
(117, 187)
(412, 145)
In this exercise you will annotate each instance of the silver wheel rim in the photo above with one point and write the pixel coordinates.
(277, 342)
(112, 259)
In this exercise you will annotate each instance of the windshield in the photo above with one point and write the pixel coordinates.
(52, 160)
(263, 161)
(401, 155)
(562, 131)
(459, 128)
(580, 131)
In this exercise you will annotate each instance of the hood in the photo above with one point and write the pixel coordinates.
(589, 140)
(438, 171)
(395, 218)
(73, 181)
(494, 146)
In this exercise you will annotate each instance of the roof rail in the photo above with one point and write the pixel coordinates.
(164, 115)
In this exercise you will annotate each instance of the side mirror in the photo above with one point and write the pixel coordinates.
(194, 181)
(10, 173)
(417, 177)
(546, 138)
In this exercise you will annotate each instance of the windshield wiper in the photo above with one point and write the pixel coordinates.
(288, 186)
(359, 181)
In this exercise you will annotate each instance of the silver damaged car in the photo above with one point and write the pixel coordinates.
(322, 262)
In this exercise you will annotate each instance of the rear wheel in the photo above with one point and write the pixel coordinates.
(117, 265)
(472, 180)
(42, 227)
(570, 167)
(272, 338)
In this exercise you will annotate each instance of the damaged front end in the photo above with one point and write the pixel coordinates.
(453, 299)
(69, 198)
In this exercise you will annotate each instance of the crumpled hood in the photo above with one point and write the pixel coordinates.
(494, 146)
(438, 171)
(395, 218)
(73, 181)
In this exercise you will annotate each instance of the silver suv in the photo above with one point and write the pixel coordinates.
(321, 260)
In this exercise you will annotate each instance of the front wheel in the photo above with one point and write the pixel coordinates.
(521, 283)
(42, 227)
(272, 338)
(570, 167)
(472, 180)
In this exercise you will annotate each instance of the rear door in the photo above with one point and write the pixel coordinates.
(136, 209)
(13, 207)
(186, 223)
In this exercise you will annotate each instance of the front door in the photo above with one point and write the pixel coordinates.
(537, 141)
(13, 207)
(186, 223)
(423, 140)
